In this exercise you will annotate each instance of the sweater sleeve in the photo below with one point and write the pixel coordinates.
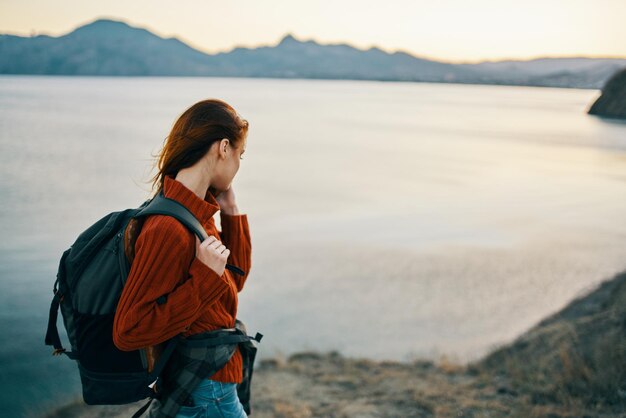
(164, 268)
(235, 235)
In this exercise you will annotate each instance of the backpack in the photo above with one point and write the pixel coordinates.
(89, 283)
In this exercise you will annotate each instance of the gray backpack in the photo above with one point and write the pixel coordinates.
(89, 283)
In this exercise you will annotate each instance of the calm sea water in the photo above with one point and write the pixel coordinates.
(388, 220)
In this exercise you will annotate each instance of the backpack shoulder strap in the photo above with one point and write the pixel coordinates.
(161, 205)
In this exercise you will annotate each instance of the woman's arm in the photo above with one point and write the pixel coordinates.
(235, 235)
(167, 286)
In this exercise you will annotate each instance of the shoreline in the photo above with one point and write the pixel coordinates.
(571, 364)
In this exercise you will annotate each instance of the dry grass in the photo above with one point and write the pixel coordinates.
(572, 364)
(576, 358)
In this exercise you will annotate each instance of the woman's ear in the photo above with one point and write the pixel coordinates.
(224, 143)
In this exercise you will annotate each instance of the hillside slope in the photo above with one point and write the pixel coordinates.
(612, 102)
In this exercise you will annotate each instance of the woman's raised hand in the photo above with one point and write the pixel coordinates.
(212, 253)
(227, 201)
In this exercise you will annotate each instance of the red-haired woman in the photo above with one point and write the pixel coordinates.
(195, 292)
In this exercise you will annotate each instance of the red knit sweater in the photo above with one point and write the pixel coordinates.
(198, 299)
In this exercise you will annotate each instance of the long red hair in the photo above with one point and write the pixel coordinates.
(193, 134)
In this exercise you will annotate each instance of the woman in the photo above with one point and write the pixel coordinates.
(176, 285)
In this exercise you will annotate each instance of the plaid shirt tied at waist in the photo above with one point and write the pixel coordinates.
(198, 357)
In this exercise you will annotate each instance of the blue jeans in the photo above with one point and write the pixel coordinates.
(213, 399)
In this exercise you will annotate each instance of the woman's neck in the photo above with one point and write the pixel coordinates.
(195, 179)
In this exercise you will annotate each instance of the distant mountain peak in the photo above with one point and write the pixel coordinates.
(288, 39)
(106, 28)
(104, 23)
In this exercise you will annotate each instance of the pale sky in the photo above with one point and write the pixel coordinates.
(444, 30)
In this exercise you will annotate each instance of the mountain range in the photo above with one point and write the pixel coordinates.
(106, 47)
